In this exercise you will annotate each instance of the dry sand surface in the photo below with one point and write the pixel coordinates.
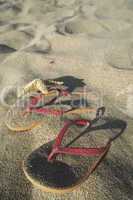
(75, 39)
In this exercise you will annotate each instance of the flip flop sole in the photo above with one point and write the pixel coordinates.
(57, 177)
(15, 121)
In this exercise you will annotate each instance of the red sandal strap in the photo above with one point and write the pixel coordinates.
(35, 99)
(79, 151)
(57, 145)
(63, 131)
(47, 111)
(91, 152)
(82, 151)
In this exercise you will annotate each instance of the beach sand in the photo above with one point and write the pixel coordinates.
(86, 40)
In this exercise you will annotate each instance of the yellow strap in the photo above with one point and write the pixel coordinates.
(82, 110)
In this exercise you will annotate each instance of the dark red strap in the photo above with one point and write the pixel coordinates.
(82, 151)
(36, 99)
(57, 149)
(47, 111)
(32, 105)
(91, 152)
(60, 136)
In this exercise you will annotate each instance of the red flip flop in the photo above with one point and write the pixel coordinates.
(20, 117)
(29, 112)
(59, 167)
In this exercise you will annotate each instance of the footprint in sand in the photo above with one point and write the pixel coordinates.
(109, 9)
(116, 13)
(65, 2)
(124, 99)
(42, 46)
(80, 25)
(9, 10)
(120, 55)
(6, 49)
(15, 40)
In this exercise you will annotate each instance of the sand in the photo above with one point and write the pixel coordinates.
(78, 39)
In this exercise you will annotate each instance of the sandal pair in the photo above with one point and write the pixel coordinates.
(66, 162)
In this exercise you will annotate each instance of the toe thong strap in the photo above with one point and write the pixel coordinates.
(57, 149)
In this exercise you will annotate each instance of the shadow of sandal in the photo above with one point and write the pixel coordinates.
(71, 82)
(115, 126)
